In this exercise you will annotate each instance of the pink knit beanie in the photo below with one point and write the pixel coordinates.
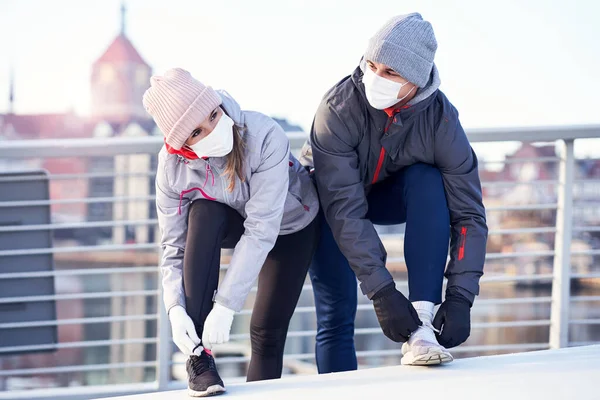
(179, 103)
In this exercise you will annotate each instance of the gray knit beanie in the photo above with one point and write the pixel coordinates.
(407, 44)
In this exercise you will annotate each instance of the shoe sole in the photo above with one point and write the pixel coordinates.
(427, 359)
(213, 390)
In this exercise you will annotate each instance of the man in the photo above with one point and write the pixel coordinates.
(388, 148)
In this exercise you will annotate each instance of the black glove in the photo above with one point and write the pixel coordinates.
(397, 316)
(453, 319)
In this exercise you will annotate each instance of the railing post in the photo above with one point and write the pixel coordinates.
(163, 364)
(561, 284)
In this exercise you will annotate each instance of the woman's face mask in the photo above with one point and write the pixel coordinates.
(382, 93)
(219, 142)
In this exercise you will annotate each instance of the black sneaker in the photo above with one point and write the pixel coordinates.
(203, 377)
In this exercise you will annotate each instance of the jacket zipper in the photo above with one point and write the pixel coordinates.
(463, 241)
(382, 152)
(209, 170)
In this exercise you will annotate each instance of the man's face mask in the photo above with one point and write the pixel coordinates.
(382, 93)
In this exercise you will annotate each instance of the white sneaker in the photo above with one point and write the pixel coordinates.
(422, 347)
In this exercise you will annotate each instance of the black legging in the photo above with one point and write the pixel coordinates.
(213, 226)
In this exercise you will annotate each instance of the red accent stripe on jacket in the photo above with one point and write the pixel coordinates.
(379, 164)
(206, 196)
(463, 241)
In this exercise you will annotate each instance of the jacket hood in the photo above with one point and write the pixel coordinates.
(232, 108)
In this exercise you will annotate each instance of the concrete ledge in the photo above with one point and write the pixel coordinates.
(571, 373)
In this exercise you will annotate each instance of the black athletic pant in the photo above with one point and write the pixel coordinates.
(213, 226)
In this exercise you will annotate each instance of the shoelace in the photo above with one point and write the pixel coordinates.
(202, 363)
(430, 325)
(425, 332)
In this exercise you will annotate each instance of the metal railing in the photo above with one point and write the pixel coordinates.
(559, 323)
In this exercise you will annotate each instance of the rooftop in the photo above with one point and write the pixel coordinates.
(568, 373)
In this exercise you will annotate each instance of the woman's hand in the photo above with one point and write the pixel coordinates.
(217, 326)
(184, 332)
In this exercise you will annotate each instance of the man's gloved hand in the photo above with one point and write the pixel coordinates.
(184, 332)
(453, 320)
(217, 326)
(397, 316)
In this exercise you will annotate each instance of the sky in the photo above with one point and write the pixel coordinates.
(502, 63)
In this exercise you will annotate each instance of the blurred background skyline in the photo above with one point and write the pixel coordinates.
(507, 64)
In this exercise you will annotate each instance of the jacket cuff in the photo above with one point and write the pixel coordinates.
(225, 302)
(376, 281)
(466, 285)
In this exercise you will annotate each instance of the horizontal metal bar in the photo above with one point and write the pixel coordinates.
(80, 249)
(521, 160)
(76, 345)
(591, 252)
(545, 229)
(76, 368)
(590, 343)
(108, 174)
(89, 147)
(586, 276)
(534, 134)
(524, 207)
(510, 301)
(377, 330)
(516, 278)
(115, 223)
(484, 279)
(510, 324)
(494, 256)
(511, 231)
(479, 302)
(497, 256)
(586, 229)
(78, 272)
(70, 296)
(83, 200)
(88, 175)
(541, 182)
(77, 296)
(589, 321)
(78, 225)
(580, 299)
(79, 321)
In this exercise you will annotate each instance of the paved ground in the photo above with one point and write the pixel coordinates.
(552, 374)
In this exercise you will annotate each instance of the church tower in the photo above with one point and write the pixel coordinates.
(119, 79)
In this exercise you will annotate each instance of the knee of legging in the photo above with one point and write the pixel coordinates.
(210, 215)
(336, 323)
(336, 312)
(267, 341)
(424, 174)
(426, 182)
(338, 332)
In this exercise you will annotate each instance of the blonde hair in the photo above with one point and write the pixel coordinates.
(235, 159)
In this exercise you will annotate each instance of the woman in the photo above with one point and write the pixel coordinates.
(226, 179)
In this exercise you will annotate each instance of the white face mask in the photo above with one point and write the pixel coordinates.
(382, 93)
(219, 142)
